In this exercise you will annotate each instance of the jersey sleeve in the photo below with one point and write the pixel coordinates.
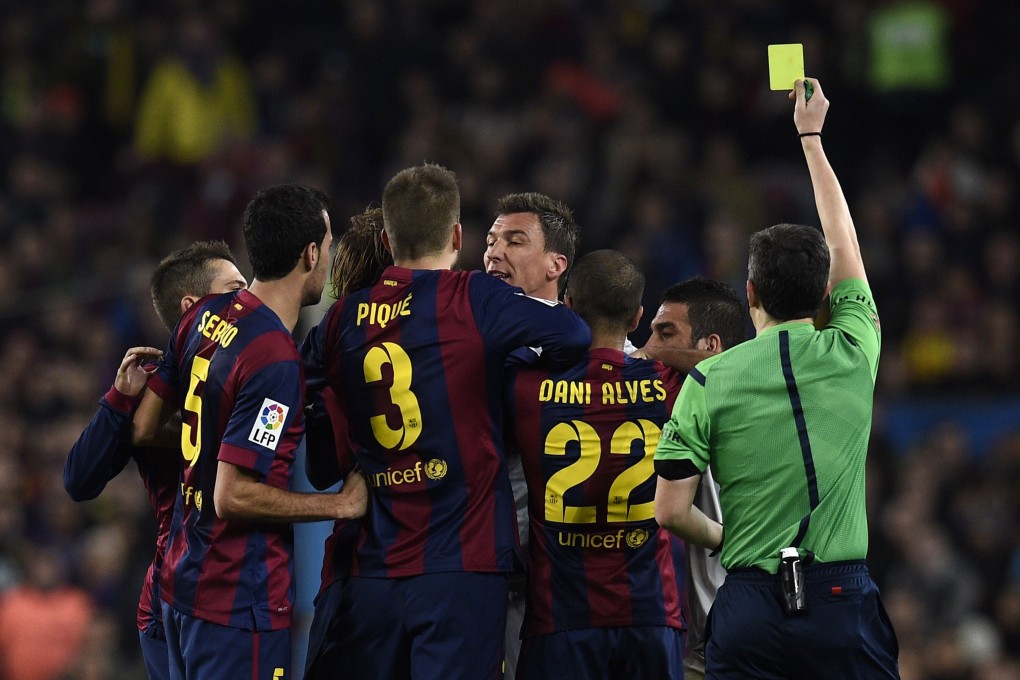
(314, 349)
(329, 452)
(854, 313)
(103, 448)
(165, 380)
(685, 436)
(265, 408)
(511, 320)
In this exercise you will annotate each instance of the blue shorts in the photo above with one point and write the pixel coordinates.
(324, 658)
(199, 649)
(153, 642)
(646, 652)
(446, 626)
(845, 632)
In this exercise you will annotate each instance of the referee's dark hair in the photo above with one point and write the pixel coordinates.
(789, 267)
(605, 289)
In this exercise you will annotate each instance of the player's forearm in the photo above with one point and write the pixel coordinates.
(263, 503)
(101, 451)
(148, 424)
(238, 496)
(834, 213)
(675, 510)
(694, 527)
(680, 360)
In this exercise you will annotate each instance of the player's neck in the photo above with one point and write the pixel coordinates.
(444, 260)
(281, 296)
(607, 340)
(766, 321)
(550, 291)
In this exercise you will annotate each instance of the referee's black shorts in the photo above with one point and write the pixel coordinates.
(845, 632)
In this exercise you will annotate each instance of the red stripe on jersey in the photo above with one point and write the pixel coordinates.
(475, 436)
(160, 473)
(175, 549)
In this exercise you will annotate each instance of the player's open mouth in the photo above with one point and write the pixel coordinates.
(500, 275)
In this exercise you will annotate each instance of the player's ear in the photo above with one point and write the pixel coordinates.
(187, 301)
(311, 256)
(557, 265)
(385, 241)
(711, 343)
(457, 239)
(752, 295)
(636, 320)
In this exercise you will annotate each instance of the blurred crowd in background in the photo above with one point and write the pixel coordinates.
(129, 128)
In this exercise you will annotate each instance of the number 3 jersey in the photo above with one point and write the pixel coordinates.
(234, 369)
(587, 437)
(417, 362)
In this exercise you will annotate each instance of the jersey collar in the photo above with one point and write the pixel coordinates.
(792, 326)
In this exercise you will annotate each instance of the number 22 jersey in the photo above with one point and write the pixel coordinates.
(587, 436)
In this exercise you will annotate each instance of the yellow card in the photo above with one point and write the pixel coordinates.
(786, 65)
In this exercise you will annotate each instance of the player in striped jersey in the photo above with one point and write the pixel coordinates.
(417, 361)
(602, 597)
(233, 370)
(104, 448)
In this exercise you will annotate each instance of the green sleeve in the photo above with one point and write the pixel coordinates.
(854, 313)
(685, 436)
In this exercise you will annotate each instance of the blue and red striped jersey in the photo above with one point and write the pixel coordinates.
(417, 361)
(102, 450)
(587, 436)
(234, 369)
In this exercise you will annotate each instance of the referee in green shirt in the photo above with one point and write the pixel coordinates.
(783, 420)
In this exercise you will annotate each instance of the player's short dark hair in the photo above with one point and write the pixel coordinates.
(558, 226)
(420, 206)
(712, 307)
(605, 289)
(279, 223)
(789, 267)
(187, 271)
(360, 256)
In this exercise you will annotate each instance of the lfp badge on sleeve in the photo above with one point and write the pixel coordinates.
(269, 424)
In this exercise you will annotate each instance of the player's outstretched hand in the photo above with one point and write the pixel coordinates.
(353, 496)
(132, 376)
(809, 114)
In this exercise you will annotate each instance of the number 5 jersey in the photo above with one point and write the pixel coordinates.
(234, 369)
(417, 362)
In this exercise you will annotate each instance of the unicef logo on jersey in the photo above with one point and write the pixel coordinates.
(436, 469)
(637, 538)
(272, 416)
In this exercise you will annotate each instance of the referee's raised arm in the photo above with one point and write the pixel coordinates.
(838, 226)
